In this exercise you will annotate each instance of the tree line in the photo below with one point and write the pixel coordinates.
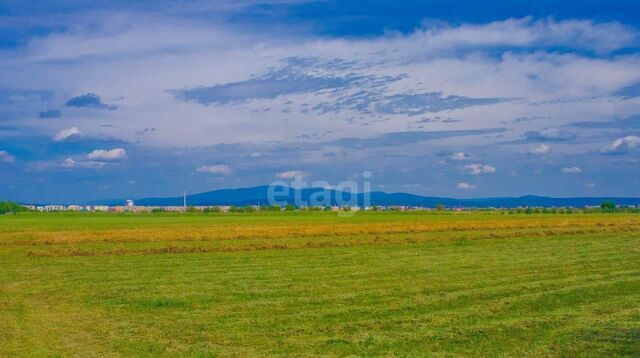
(7, 207)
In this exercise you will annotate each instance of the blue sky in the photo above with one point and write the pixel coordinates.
(110, 100)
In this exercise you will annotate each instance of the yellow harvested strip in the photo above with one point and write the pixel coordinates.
(280, 230)
(293, 242)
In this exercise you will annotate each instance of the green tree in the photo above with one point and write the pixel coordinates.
(608, 205)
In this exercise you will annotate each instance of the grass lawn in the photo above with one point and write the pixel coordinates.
(395, 284)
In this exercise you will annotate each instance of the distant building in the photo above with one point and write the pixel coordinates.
(130, 203)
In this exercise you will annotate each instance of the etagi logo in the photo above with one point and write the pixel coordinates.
(347, 194)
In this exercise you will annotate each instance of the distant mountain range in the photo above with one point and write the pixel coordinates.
(259, 196)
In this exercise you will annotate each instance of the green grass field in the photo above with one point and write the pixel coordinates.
(307, 284)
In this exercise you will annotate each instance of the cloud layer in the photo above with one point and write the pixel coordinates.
(513, 104)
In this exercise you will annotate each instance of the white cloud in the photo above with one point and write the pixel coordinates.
(6, 157)
(69, 163)
(120, 34)
(112, 155)
(65, 134)
(221, 169)
(128, 33)
(455, 60)
(526, 32)
(474, 60)
(622, 145)
(571, 170)
(477, 169)
(460, 156)
(514, 58)
(290, 174)
(465, 186)
(541, 149)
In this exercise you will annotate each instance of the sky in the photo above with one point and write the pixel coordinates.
(121, 99)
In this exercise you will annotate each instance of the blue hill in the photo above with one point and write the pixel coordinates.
(259, 196)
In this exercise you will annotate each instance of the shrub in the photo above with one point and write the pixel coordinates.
(608, 205)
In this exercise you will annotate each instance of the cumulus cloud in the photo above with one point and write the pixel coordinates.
(571, 170)
(460, 156)
(89, 100)
(220, 169)
(622, 145)
(290, 174)
(541, 149)
(65, 134)
(102, 155)
(465, 186)
(478, 169)
(6, 157)
(68, 163)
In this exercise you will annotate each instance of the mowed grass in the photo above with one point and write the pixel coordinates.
(308, 284)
